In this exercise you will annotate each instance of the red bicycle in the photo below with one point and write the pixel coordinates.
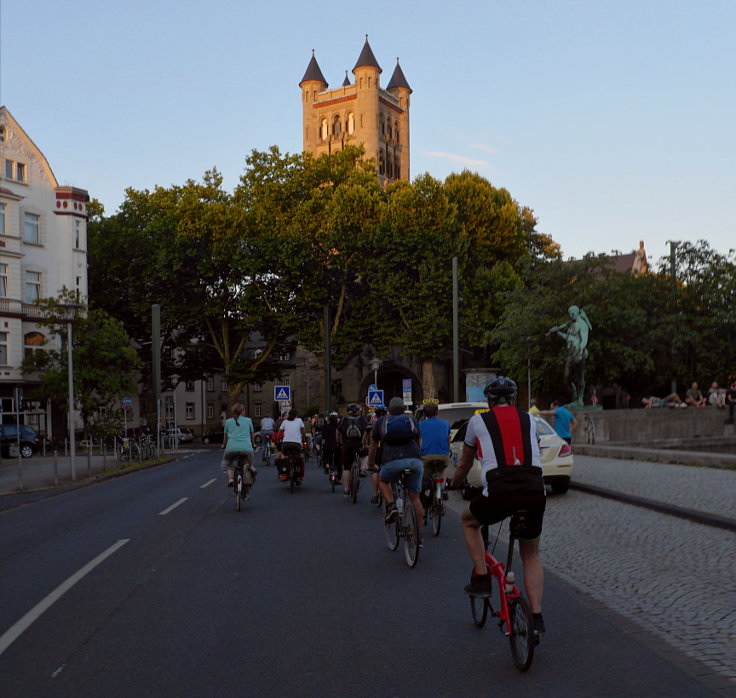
(513, 611)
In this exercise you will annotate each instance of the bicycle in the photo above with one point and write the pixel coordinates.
(266, 449)
(435, 507)
(514, 612)
(405, 525)
(292, 471)
(242, 481)
(355, 478)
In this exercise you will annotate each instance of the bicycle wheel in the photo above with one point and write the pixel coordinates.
(438, 510)
(292, 477)
(521, 628)
(392, 531)
(238, 490)
(354, 481)
(410, 532)
(479, 608)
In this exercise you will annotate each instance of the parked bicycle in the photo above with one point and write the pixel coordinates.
(405, 526)
(512, 609)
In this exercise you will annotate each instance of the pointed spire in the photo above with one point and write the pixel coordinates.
(313, 72)
(366, 59)
(398, 79)
(346, 81)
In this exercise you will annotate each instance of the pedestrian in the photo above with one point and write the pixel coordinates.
(565, 421)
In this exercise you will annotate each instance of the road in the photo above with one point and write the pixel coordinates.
(152, 584)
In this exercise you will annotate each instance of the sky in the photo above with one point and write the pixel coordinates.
(614, 120)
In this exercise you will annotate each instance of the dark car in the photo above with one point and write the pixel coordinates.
(216, 435)
(30, 440)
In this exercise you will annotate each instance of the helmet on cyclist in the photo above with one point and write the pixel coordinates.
(353, 409)
(500, 391)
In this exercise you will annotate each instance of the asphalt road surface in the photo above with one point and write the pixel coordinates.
(152, 584)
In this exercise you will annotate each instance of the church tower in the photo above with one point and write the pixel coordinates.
(361, 112)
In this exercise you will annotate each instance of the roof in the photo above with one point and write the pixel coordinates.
(346, 81)
(398, 79)
(366, 59)
(313, 72)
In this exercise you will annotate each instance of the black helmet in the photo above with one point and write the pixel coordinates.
(353, 409)
(501, 390)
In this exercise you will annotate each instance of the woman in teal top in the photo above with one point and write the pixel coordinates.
(238, 441)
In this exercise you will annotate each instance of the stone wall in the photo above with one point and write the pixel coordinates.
(647, 427)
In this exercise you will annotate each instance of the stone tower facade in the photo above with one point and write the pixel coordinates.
(359, 112)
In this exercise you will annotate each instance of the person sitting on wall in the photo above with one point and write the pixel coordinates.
(672, 400)
(716, 395)
(694, 397)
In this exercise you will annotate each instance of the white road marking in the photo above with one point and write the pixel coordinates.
(207, 484)
(173, 506)
(13, 633)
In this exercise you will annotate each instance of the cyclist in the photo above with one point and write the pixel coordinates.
(330, 449)
(292, 434)
(351, 432)
(506, 442)
(237, 442)
(380, 412)
(435, 433)
(267, 427)
(399, 434)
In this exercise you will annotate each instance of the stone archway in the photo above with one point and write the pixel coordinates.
(390, 381)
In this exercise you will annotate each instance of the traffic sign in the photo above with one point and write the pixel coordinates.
(375, 398)
(406, 389)
(282, 393)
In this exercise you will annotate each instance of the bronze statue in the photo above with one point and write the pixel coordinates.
(575, 333)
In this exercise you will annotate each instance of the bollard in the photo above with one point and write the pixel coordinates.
(56, 467)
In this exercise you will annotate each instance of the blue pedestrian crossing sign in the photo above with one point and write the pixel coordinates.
(282, 393)
(375, 398)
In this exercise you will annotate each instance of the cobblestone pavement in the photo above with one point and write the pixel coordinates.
(704, 489)
(672, 577)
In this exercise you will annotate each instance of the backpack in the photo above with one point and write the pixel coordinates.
(353, 431)
(399, 429)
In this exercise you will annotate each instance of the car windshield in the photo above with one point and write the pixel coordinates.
(544, 428)
(457, 415)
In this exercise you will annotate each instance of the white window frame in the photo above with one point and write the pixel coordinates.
(3, 348)
(34, 221)
(3, 280)
(27, 348)
(258, 410)
(210, 410)
(20, 172)
(34, 280)
(210, 385)
(77, 234)
(189, 410)
(2, 219)
(9, 169)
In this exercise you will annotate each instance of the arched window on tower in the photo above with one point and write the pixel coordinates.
(390, 166)
(351, 124)
(396, 130)
(383, 126)
(397, 167)
(390, 130)
(323, 130)
(336, 126)
(381, 162)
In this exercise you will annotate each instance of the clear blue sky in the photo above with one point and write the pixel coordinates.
(615, 120)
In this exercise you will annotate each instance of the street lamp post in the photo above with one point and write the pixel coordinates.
(70, 310)
(375, 365)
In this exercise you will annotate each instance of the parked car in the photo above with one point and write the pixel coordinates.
(556, 454)
(30, 440)
(216, 435)
(186, 435)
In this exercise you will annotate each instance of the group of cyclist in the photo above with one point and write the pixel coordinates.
(504, 439)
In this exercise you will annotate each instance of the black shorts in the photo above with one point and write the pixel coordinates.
(499, 505)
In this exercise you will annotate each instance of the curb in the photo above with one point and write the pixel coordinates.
(700, 517)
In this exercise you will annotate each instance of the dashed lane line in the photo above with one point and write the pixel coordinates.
(208, 483)
(173, 506)
(13, 633)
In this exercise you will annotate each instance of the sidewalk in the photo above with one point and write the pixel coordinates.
(40, 472)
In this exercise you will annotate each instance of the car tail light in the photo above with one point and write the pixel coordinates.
(565, 450)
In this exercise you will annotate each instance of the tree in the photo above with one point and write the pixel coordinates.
(104, 361)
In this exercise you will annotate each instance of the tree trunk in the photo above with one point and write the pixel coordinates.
(428, 382)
